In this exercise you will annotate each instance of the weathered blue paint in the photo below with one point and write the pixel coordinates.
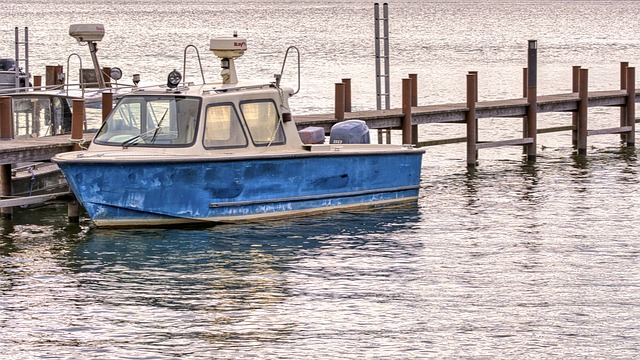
(136, 191)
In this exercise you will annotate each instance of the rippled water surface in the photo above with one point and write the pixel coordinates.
(510, 260)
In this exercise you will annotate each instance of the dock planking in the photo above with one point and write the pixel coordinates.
(14, 151)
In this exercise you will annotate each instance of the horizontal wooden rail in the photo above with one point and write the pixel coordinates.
(36, 199)
(615, 130)
(511, 142)
(456, 113)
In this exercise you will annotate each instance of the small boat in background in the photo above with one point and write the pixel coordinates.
(9, 73)
(228, 152)
(47, 111)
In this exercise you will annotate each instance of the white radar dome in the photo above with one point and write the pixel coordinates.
(228, 47)
(87, 32)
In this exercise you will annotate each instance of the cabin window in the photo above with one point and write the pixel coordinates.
(222, 127)
(263, 122)
(151, 120)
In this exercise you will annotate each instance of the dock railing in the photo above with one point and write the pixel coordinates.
(407, 118)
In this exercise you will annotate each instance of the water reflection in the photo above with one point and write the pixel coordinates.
(170, 292)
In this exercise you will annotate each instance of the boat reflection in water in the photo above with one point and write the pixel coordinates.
(228, 285)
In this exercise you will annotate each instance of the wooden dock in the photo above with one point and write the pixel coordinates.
(25, 150)
(14, 151)
(410, 116)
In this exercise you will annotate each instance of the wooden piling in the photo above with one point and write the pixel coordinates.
(37, 82)
(583, 108)
(106, 76)
(5, 190)
(532, 108)
(476, 120)
(107, 105)
(623, 86)
(472, 154)
(525, 120)
(406, 111)
(339, 103)
(575, 87)
(6, 133)
(77, 122)
(631, 105)
(54, 76)
(414, 102)
(347, 94)
(6, 127)
(73, 211)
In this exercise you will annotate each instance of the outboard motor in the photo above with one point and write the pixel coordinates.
(350, 132)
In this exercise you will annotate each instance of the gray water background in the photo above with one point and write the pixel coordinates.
(510, 260)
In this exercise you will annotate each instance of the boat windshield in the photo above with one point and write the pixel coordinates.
(151, 121)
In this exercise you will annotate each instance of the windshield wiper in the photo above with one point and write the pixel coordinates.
(129, 142)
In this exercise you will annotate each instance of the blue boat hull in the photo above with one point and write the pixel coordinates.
(135, 193)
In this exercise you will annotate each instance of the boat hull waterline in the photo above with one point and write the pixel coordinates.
(168, 192)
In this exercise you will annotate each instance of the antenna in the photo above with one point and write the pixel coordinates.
(228, 49)
(91, 34)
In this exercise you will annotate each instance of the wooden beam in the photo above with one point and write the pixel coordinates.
(36, 199)
(442, 141)
(557, 129)
(615, 130)
(512, 142)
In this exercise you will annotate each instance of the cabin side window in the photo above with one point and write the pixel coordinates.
(222, 127)
(153, 121)
(263, 122)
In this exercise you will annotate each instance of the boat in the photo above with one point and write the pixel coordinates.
(47, 111)
(229, 152)
(11, 76)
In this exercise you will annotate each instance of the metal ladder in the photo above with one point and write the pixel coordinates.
(382, 41)
(25, 49)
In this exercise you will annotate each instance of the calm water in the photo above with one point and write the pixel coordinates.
(507, 261)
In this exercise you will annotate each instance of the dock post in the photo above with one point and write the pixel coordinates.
(5, 184)
(339, 105)
(73, 211)
(623, 86)
(414, 102)
(6, 125)
(574, 116)
(347, 94)
(532, 77)
(77, 122)
(525, 120)
(583, 111)
(631, 106)
(476, 120)
(55, 76)
(406, 111)
(472, 151)
(6, 133)
(37, 82)
(106, 76)
(107, 104)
